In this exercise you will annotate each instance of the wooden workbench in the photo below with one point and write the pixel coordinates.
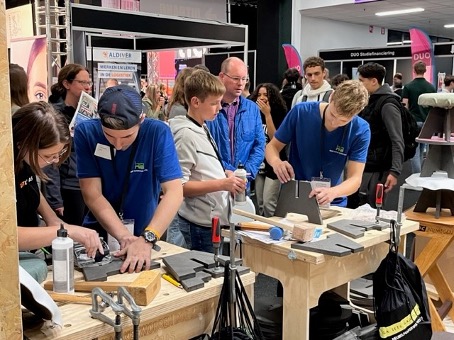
(440, 232)
(306, 275)
(173, 314)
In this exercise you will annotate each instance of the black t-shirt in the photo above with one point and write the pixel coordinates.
(27, 197)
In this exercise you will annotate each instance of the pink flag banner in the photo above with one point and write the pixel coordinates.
(293, 57)
(422, 50)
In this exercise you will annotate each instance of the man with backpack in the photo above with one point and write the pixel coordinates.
(385, 155)
(317, 88)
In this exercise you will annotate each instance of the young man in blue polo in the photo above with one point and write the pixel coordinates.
(124, 161)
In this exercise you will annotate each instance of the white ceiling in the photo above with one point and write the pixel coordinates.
(437, 13)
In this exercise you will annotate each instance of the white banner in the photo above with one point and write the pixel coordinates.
(19, 23)
(125, 56)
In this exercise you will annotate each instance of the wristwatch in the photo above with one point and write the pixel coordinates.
(151, 237)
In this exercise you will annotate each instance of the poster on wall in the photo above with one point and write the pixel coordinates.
(19, 23)
(114, 66)
(31, 54)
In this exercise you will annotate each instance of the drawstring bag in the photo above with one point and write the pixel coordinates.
(400, 297)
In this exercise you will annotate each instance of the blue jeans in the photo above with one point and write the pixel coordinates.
(189, 235)
(416, 161)
(174, 234)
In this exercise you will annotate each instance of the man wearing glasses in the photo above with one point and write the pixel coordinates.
(237, 129)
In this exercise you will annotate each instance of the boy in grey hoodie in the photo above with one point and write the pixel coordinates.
(207, 184)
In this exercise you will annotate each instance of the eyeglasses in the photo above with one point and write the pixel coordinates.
(238, 79)
(54, 158)
(84, 82)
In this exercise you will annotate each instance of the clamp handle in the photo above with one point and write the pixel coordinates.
(215, 230)
(379, 195)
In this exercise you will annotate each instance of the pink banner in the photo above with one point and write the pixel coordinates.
(422, 50)
(293, 57)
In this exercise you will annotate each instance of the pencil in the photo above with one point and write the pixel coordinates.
(170, 279)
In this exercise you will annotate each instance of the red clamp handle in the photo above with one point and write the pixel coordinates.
(379, 195)
(215, 230)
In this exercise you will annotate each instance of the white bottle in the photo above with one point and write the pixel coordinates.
(240, 198)
(63, 262)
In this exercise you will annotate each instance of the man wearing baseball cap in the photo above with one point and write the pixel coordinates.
(123, 162)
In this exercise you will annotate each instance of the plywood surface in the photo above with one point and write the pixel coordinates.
(171, 309)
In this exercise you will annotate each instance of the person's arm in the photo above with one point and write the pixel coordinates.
(36, 237)
(52, 189)
(393, 123)
(405, 102)
(349, 186)
(138, 253)
(405, 97)
(103, 211)
(231, 184)
(282, 169)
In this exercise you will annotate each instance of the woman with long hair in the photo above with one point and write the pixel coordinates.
(41, 137)
(177, 105)
(154, 102)
(18, 87)
(272, 110)
(63, 190)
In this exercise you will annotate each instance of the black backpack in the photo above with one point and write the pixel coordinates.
(410, 129)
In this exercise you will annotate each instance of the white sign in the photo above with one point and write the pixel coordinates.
(125, 56)
(19, 23)
(117, 67)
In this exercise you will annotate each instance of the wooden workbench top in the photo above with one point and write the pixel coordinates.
(171, 306)
(370, 238)
(445, 219)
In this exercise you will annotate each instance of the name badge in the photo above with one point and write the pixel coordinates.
(103, 151)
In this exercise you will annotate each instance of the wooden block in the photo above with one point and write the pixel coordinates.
(335, 245)
(145, 288)
(303, 231)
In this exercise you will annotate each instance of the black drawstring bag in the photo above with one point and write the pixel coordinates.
(400, 297)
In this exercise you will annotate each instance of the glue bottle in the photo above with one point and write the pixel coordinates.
(63, 262)
(240, 198)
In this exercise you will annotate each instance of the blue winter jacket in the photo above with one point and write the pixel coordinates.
(249, 143)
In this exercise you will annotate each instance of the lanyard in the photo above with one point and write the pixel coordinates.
(210, 139)
(322, 140)
(128, 174)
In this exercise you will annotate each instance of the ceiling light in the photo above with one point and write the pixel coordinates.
(449, 26)
(402, 11)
